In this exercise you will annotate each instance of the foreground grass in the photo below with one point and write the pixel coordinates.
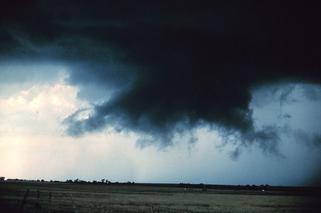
(59, 197)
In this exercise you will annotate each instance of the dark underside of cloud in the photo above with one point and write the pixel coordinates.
(171, 65)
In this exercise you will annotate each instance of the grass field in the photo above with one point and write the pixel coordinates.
(64, 197)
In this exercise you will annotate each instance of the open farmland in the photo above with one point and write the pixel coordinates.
(64, 197)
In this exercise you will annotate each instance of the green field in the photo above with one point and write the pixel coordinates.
(64, 197)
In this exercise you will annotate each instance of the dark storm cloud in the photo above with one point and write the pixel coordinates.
(172, 65)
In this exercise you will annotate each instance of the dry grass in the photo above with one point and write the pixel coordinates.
(149, 199)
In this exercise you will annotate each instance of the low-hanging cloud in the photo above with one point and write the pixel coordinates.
(172, 67)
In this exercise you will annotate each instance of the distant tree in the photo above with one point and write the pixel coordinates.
(2, 178)
(69, 181)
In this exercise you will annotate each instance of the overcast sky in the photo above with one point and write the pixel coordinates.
(149, 91)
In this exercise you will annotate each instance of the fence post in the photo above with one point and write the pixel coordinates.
(73, 204)
(23, 202)
(49, 206)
